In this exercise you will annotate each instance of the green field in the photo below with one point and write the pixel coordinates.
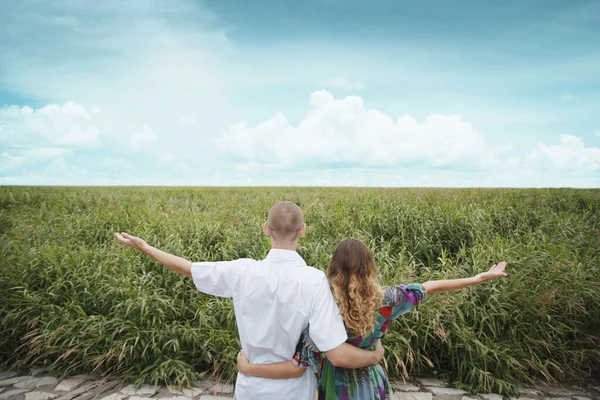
(73, 299)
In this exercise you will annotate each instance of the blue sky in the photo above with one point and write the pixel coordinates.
(330, 92)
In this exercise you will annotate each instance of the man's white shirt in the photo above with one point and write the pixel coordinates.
(275, 300)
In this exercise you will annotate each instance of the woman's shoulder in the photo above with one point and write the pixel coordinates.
(413, 293)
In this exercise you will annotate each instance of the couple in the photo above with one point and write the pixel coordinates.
(278, 298)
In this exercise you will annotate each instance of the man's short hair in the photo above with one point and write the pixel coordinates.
(285, 220)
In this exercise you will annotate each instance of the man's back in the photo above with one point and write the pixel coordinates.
(275, 300)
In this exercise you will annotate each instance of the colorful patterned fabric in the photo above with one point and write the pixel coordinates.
(369, 383)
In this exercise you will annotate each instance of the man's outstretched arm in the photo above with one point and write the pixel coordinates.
(175, 263)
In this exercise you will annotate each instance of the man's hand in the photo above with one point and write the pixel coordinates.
(379, 351)
(497, 271)
(177, 264)
(242, 363)
(131, 241)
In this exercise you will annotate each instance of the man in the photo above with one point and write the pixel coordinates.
(275, 300)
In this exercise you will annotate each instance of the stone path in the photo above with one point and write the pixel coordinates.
(38, 385)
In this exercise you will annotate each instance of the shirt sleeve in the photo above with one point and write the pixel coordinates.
(400, 299)
(220, 278)
(327, 329)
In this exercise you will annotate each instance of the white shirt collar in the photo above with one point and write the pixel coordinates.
(282, 254)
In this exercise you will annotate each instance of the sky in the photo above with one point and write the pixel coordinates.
(390, 93)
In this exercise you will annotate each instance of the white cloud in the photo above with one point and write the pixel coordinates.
(41, 153)
(147, 63)
(570, 154)
(27, 155)
(9, 162)
(568, 97)
(57, 166)
(74, 110)
(188, 119)
(181, 167)
(114, 163)
(513, 162)
(143, 137)
(342, 133)
(61, 172)
(168, 157)
(67, 125)
(341, 83)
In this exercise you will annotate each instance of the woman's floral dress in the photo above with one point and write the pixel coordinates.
(369, 383)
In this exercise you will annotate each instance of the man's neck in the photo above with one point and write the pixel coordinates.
(291, 246)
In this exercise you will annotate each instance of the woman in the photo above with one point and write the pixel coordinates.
(367, 310)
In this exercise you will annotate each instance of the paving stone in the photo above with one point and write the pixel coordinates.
(414, 396)
(205, 383)
(35, 371)
(582, 397)
(7, 374)
(431, 382)
(139, 397)
(174, 390)
(12, 381)
(211, 397)
(144, 390)
(163, 393)
(405, 387)
(468, 398)
(447, 393)
(179, 398)
(10, 393)
(225, 388)
(85, 377)
(490, 396)
(558, 391)
(191, 393)
(36, 382)
(596, 388)
(39, 396)
(443, 391)
(69, 384)
(530, 393)
(1, 389)
(114, 396)
(523, 398)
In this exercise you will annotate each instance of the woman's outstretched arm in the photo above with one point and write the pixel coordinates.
(497, 271)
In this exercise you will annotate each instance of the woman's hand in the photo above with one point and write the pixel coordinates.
(497, 271)
(131, 241)
(446, 285)
(379, 350)
(242, 363)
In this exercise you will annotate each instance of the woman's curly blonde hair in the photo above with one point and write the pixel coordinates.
(355, 286)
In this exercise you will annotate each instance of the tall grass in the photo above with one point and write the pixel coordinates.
(75, 300)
